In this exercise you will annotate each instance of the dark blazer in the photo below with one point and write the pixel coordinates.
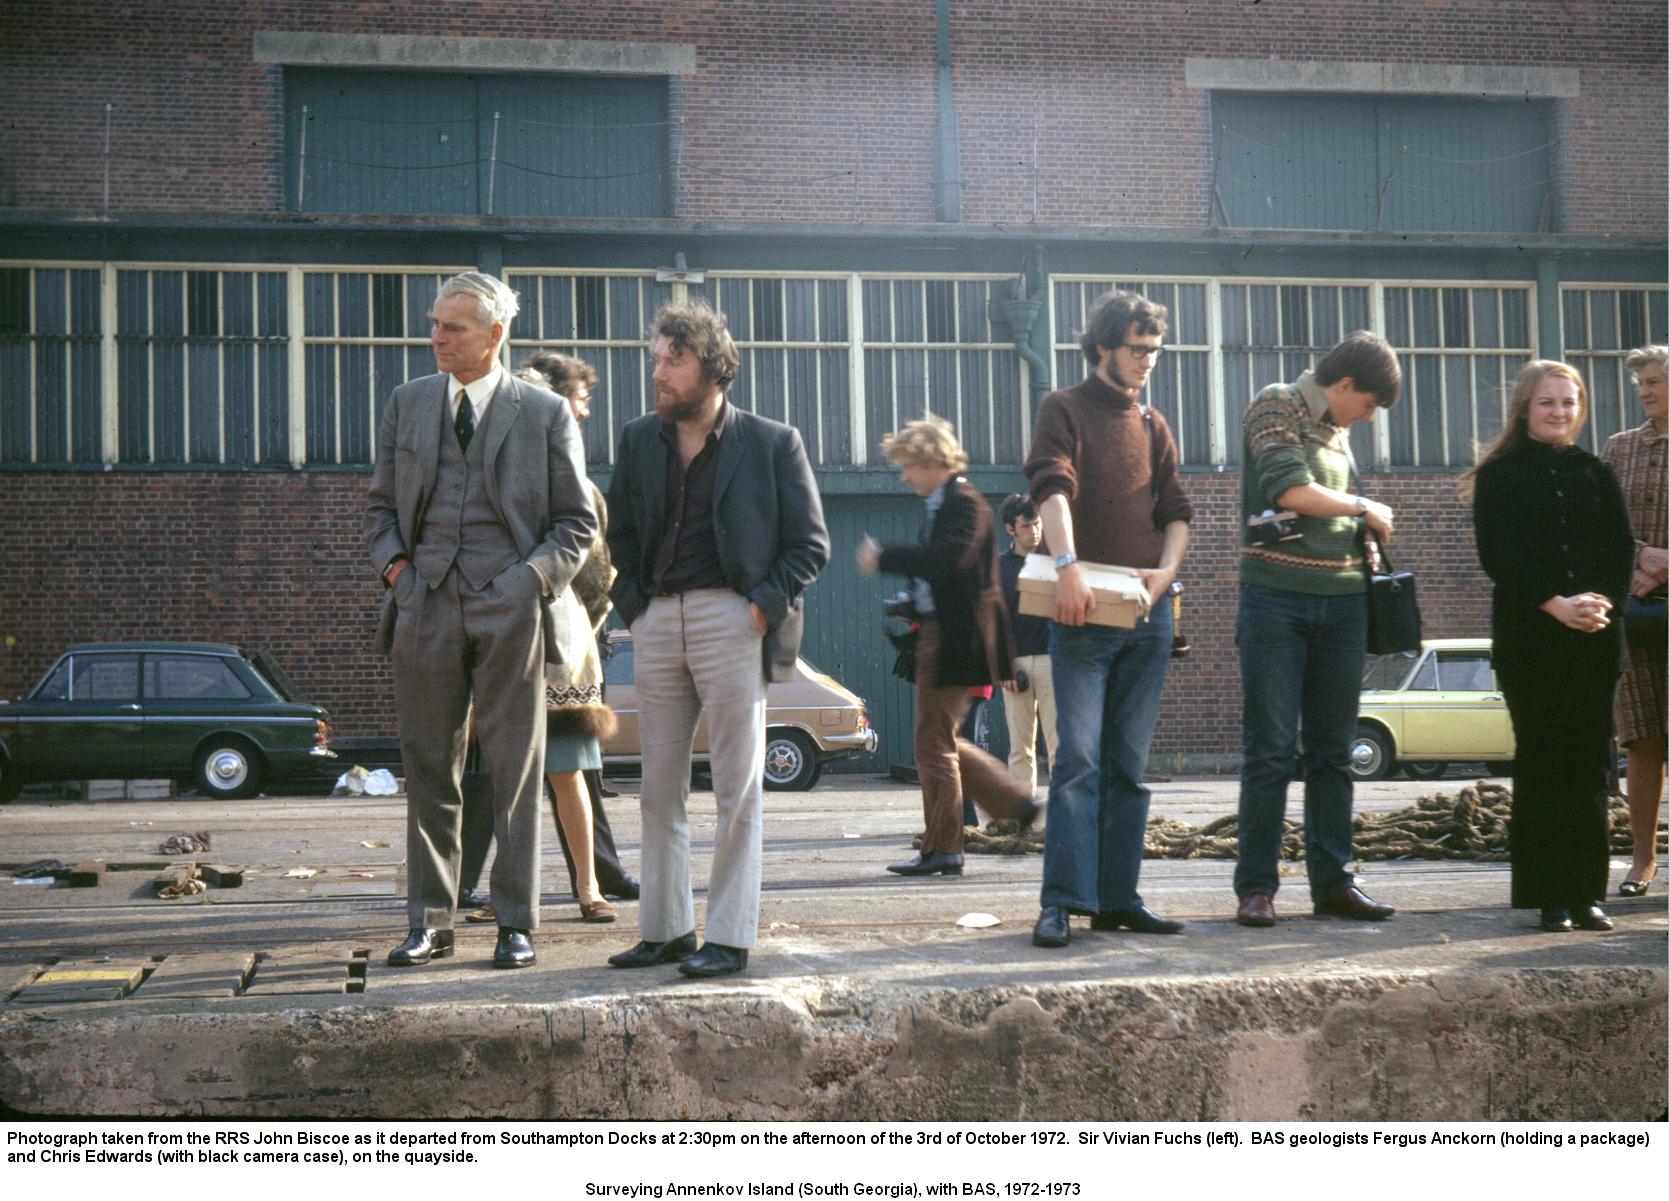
(767, 520)
(959, 562)
(535, 480)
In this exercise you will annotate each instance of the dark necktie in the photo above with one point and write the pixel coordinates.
(464, 422)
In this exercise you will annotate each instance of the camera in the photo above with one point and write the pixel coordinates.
(1270, 527)
(901, 606)
(1022, 681)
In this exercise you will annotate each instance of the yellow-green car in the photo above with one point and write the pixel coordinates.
(1422, 712)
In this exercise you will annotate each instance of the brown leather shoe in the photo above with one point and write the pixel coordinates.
(1256, 909)
(1353, 903)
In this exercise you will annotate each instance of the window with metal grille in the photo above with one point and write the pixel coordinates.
(202, 366)
(1460, 348)
(602, 319)
(364, 332)
(1600, 324)
(1273, 333)
(928, 347)
(51, 386)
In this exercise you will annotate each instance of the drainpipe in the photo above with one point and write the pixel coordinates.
(1018, 314)
(948, 161)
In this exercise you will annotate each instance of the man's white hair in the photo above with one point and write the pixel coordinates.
(494, 301)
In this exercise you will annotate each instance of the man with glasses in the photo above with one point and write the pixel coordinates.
(1302, 628)
(1103, 471)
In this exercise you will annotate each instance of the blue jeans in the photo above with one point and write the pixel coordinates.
(1301, 660)
(1107, 685)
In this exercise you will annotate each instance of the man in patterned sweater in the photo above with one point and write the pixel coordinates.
(1302, 625)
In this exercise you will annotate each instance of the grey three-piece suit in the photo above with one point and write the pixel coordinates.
(469, 626)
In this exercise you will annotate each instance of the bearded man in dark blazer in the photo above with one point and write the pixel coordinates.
(715, 528)
(477, 517)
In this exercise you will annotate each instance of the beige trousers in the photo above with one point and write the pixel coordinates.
(700, 653)
(1022, 710)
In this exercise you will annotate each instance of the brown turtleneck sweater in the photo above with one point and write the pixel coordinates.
(1094, 447)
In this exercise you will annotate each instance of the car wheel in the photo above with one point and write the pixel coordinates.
(1370, 754)
(790, 761)
(10, 784)
(1425, 771)
(229, 769)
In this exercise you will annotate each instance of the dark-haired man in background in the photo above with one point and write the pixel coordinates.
(716, 529)
(1030, 695)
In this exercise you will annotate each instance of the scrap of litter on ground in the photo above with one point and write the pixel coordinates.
(1472, 824)
(186, 844)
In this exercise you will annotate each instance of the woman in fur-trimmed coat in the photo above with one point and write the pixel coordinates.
(576, 719)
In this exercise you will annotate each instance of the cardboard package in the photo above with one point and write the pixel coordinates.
(1119, 593)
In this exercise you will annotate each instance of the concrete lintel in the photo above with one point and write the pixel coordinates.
(1409, 79)
(473, 54)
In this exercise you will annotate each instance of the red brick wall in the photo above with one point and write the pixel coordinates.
(825, 110)
(275, 561)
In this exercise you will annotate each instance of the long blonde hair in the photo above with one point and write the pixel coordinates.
(1515, 433)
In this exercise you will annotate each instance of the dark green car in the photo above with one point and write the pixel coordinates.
(219, 717)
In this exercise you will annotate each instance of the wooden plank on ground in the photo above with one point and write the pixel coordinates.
(14, 976)
(303, 970)
(198, 974)
(84, 980)
(175, 877)
(221, 876)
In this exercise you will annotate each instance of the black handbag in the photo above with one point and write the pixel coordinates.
(1647, 623)
(1393, 609)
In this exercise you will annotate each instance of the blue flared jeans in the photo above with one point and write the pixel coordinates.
(1107, 686)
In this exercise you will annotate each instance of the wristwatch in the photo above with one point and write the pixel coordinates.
(1361, 506)
(1065, 561)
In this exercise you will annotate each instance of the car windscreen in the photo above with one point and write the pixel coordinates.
(1386, 672)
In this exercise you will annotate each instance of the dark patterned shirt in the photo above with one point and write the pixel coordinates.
(689, 553)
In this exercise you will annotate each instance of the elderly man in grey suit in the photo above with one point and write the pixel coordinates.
(478, 516)
(715, 528)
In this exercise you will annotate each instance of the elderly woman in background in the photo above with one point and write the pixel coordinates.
(1637, 457)
(964, 641)
(1553, 535)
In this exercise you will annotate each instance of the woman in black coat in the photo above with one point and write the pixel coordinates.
(1553, 535)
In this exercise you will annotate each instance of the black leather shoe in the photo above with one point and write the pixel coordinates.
(473, 898)
(1053, 929)
(1026, 817)
(648, 954)
(1350, 901)
(1556, 920)
(1592, 917)
(1141, 919)
(715, 959)
(514, 949)
(421, 945)
(938, 863)
(624, 889)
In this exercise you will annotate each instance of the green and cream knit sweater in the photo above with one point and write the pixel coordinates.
(1290, 440)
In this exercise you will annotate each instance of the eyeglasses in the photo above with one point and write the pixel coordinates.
(1140, 353)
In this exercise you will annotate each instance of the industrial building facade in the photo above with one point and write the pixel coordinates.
(223, 225)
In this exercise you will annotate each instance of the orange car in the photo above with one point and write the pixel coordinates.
(810, 720)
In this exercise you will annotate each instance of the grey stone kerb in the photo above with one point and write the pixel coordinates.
(473, 54)
(1410, 79)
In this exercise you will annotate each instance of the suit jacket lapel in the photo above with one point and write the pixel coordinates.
(654, 488)
(501, 417)
(730, 456)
